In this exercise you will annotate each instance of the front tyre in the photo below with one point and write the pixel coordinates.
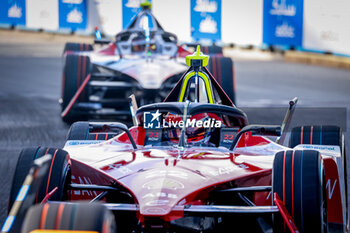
(69, 216)
(222, 68)
(298, 180)
(57, 176)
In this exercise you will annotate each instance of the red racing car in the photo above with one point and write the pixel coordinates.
(190, 164)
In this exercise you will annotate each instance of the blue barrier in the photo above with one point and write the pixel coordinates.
(72, 14)
(206, 19)
(13, 12)
(283, 22)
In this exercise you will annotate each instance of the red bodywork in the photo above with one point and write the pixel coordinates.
(160, 181)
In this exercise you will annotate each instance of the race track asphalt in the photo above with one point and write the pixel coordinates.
(30, 82)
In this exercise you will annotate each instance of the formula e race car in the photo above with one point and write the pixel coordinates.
(144, 60)
(190, 164)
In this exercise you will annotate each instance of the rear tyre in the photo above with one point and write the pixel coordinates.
(69, 216)
(329, 135)
(318, 135)
(57, 176)
(77, 47)
(222, 69)
(76, 70)
(81, 131)
(212, 50)
(298, 181)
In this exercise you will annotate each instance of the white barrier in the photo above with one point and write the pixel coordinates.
(106, 15)
(174, 16)
(42, 14)
(326, 26)
(242, 22)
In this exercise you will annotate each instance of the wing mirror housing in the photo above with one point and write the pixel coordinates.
(263, 130)
(102, 41)
(115, 125)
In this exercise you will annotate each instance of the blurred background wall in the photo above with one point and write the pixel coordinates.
(311, 25)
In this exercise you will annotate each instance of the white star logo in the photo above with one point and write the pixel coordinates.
(155, 115)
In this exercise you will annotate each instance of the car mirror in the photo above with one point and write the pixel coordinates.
(102, 41)
(116, 125)
(263, 130)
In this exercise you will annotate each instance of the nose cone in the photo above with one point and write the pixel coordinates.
(158, 190)
(150, 73)
(163, 185)
(159, 181)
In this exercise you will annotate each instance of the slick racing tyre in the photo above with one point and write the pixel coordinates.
(222, 68)
(318, 135)
(57, 176)
(92, 217)
(76, 70)
(81, 131)
(212, 50)
(76, 47)
(78, 131)
(327, 135)
(298, 180)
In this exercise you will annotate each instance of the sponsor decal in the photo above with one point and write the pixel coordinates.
(208, 25)
(333, 151)
(160, 194)
(206, 6)
(161, 173)
(15, 12)
(320, 147)
(281, 8)
(157, 203)
(224, 170)
(124, 170)
(82, 142)
(154, 210)
(284, 30)
(330, 187)
(152, 120)
(75, 16)
(153, 136)
(227, 135)
(82, 180)
(269, 195)
(163, 184)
